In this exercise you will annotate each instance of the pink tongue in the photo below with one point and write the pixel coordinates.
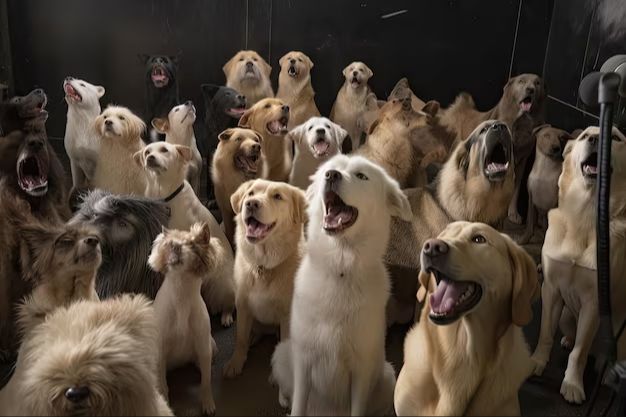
(276, 126)
(256, 229)
(445, 296)
(320, 147)
(337, 216)
(526, 106)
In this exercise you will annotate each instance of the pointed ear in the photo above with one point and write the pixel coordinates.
(143, 58)
(431, 108)
(397, 201)
(538, 128)
(201, 233)
(525, 283)
(226, 135)
(298, 205)
(209, 90)
(138, 158)
(297, 133)
(100, 91)
(244, 120)
(184, 152)
(237, 198)
(368, 71)
(160, 124)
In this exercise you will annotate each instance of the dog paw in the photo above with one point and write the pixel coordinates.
(233, 368)
(283, 401)
(573, 391)
(539, 365)
(208, 406)
(566, 343)
(227, 319)
(515, 218)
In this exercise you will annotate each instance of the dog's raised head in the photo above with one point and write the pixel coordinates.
(296, 65)
(165, 160)
(179, 120)
(353, 199)
(269, 115)
(399, 116)
(118, 122)
(267, 210)
(247, 67)
(551, 141)
(24, 112)
(319, 136)
(82, 94)
(223, 99)
(471, 269)
(160, 69)
(525, 92)
(244, 146)
(357, 74)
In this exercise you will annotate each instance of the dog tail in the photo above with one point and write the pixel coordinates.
(463, 101)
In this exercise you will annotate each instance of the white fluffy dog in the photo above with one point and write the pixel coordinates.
(334, 362)
(317, 140)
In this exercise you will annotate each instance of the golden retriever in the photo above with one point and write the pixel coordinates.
(249, 74)
(295, 89)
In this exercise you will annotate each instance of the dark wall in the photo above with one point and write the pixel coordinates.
(443, 47)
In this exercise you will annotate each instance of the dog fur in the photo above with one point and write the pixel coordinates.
(270, 235)
(295, 89)
(334, 361)
(403, 89)
(570, 289)
(471, 358)
(365, 120)
(161, 93)
(249, 74)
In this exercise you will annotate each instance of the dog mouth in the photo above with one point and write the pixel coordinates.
(320, 148)
(247, 163)
(153, 165)
(526, 104)
(589, 167)
(36, 109)
(72, 93)
(338, 216)
(236, 112)
(32, 175)
(354, 81)
(191, 113)
(278, 126)
(292, 71)
(257, 231)
(159, 76)
(496, 163)
(452, 299)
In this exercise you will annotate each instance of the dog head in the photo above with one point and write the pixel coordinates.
(399, 116)
(218, 98)
(526, 92)
(179, 120)
(370, 114)
(185, 251)
(269, 115)
(357, 74)
(487, 152)
(245, 147)
(163, 158)
(296, 65)
(82, 94)
(160, 69)
(247, 66)
(24, 112)
(119, 122)
(472, 269)
(267, 208)
(319, 136)
(551, 141)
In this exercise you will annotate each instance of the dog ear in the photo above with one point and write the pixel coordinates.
(143, 58)
(209, 90)
(237, 198)
(576, 133)
(265, 67)
(226, 135)
(100, 91)
(184, 152)
(99, 124)
(35, 255)
(297, 133)
(308, 61)
(374, 125)
(138, 158)
(176, 58)
(431, 108)
(346, 70)
(397, 201)
(244, 120)
(201, 233)
(135, 126)
(282, 58)
(368, 71)
(161, 125)
(525, 283)
(228, 66)
(298, 205)
(538, 128)
(258, 136)
(340, 134)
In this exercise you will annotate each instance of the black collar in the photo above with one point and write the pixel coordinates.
(174, 194)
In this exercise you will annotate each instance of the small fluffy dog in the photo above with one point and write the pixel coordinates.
(90, 358)
(295, 89)
(236, 160)
(467, 355)
(185, 258)
(161, 93)
(270, 117)
(120, 137)
(316, 141)
(178, 130)
(249, 74)
(165, 165)
(334, 362)
(570, 290)
(270, 220)
(82, 143)
(352, 99)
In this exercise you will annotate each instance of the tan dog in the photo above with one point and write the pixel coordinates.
(185, 258)
(120, 137)
(467, 355)
(95, 358)
(270, 221)
(351, 100)
(249, 74)
(403, 89)
(369, 115)
(295, 89)
(270, 117)
(570, 287)
(178, 130)
(236, 160)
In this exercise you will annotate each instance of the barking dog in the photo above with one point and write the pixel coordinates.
(185, 259)
(334, 362)
(295, 89)
(403, 89)
(570, 289)
(161, 82)
(316, 141)
(82, 143)
(249, 74)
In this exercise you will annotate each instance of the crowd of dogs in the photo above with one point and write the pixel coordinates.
(326, 230)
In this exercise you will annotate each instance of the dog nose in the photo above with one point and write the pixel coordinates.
(285, 108)
(556, 149)
(249, 64)
(435, 247)
(150, 158)
(333, 175)
(77, 394)
(406, 103)
(108, 123)
(530, 90)
(241, 97)
(188, 103)
(35, 144)
(252, 204)
(256, 148)
(91, 241)
(498, 126)
(293, 61)
(38, 92)
(355, 73)
(69, 78)
(320, 131)
(593, 139)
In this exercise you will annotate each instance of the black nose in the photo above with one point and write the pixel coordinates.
(77, 394)
(556, 149)
(69, 78)
(333, 175)
(498, 126)
(406, 103)
(252, 204)
(39, 92)
(355, 73)
(435, 247)
(241, 97)
(285, 108)
(108, 122)
(189, 103)
(256, 147)
(249, 64)
(293, 61)
(150, 158)
(321, 131)
(593, 139)
(91, 241)
(35, 144)
(530, 90)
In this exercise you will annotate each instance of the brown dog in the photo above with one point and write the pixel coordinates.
(295, 89)
(403, 89)
(249, 74)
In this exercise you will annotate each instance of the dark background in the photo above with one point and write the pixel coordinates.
(442, 46)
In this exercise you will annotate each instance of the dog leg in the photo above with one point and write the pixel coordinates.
(284, 329)
(163, 388)
(552, 307)
(360, 389)
(514, 215)
(301, 385)
(204, 355)
(245, 320)
(567, 324)
(79, 179)
(530, 222)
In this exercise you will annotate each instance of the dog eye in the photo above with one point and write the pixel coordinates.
(267, 106)
(122, 223)
(238, 140)
(251, 193)
(254, 59)
(278, 196)
(176, 109)
(361, 69)
(240, 59)
(122, 118)
(479, 239)
(82, 85)
(310, 127)
(164, 150)
(327, 127)
(300, 59)
(362, 176)
(65, 242)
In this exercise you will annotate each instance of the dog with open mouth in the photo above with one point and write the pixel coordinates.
(570, 291)
(249, 74)
(295, 89)
(316, 141)
(270, 118)
(237, 159)
(467, 355)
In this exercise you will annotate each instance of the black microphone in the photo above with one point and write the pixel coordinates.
(588, 90)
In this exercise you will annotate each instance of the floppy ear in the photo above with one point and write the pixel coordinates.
(298, 205)
(538, 128)
(297, 133)
(431, 108)
(576, 133)
(237, 198)
(340, 134)
(99, 124)
(265, 67)
(368, 71)
(244, 120)
(282, 58)
(345, 71)
(100, 91)
(184, 152)
(308, 61)
(160, 124)
(209, 90)
(143, 58)
(136, 126)
(258, 136)
(374, 125)
(226, 135)
(525, 283)
(35, 253)
(397, 201)
(228, 66)
(201, 233)
(138, 158)
(568, 148)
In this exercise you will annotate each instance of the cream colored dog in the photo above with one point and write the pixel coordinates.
(334, 362)
(166, 167)
(120, 137)
(316, 141)
(570, 287)
(270, 219)
(249, 74)
(295, 89)
(467, 355)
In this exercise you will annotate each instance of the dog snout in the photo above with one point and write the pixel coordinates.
(249, 64)
(241, 97)
(321, 131)
(69, 78)
(593, 140)
(77, 394)
(253, 204)
(435, 247)
(333, 175)
(292, 61)
(35, 144)
(556, 149)
(108, 123)
(256, 148)
(285, 108)
(151, 158)
(188, 103)
(498, 126)
(355, 73)
(38, 92)
(92, 241)
(530, 90)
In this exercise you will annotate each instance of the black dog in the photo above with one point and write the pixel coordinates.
(224, 106)
(161, 89)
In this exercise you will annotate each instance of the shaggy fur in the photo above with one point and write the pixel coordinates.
(161, 94)
(249, 74)
(295, 89)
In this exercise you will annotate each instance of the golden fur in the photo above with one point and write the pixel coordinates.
(255, 84)
(403, 89)
(296, 90)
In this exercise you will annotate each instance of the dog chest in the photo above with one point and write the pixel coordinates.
(576, 284)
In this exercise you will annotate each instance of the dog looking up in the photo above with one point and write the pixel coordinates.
(120, 137)
(178, 130)
(165, 165)
(82, 143)
(270, 117)
(95, 358)
(403, 89)
(249, 74)
(295, 89)
(185, 258)
(161, 94)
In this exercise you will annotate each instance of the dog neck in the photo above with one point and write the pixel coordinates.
(163, 185)
(361, 91)
(295, 91)
(182, 283)
(185, 136)
(82, 117)
(273, 252)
